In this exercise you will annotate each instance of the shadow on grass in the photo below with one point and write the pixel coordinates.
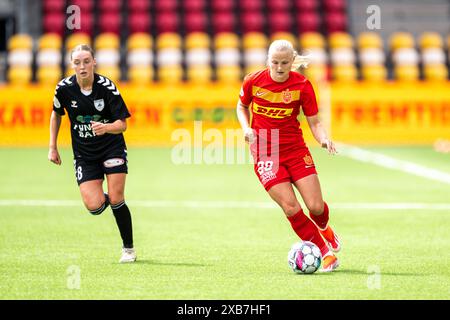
(363, 272)
(174, 264)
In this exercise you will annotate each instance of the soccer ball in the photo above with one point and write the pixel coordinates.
(304, 257)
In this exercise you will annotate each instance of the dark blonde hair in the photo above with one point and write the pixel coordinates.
(82, 47)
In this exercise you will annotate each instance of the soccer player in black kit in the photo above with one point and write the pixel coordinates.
(97, 116)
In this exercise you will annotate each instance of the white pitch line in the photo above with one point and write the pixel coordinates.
(229, 204)
(392, 163)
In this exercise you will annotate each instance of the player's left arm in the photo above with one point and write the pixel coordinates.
(320, 134)
(311, 110)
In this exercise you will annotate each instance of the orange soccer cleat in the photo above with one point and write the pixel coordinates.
(329, 263)
(331, 239)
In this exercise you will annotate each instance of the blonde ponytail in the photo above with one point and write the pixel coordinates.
(299, 62)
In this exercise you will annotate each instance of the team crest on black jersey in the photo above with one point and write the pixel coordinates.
(99, 104)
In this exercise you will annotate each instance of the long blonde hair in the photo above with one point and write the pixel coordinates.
(284, 45)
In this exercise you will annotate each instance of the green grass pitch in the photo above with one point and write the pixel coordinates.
(211, 251)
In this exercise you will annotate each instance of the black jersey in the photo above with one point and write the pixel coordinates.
(103, 104)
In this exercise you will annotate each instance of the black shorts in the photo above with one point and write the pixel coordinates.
(86, 170)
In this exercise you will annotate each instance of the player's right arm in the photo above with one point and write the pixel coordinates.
(243, 115)
(55, 124)
(243, 112)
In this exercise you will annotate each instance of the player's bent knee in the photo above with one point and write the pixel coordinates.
(290, 209)
(96, 210)
(116, 198)
(316, 208)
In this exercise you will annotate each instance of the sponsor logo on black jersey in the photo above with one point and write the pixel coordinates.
(88, 118)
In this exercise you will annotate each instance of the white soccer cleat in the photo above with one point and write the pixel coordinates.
(329, 263)
(128, 255)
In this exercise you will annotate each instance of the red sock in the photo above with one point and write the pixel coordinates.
(307, 230)
(322, 219)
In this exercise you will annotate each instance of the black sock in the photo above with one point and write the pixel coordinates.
(123, 219)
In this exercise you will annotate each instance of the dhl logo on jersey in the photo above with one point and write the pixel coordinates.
(271, 112)
(285, 96)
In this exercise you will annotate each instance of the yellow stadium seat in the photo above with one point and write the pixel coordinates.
(406, 73)
(50, 41)
(401, 40)
(284, 36)
(256, 57)
(75, 39)
(49, 57)
(371, 56)
(19, 75)
(50, 75)
(197, 40)
(168, 40)
(255, 40)
(140, 40)
(312, 40)
(20, 41)
(111, 72)
(199, 74)
(369, 40)
(253, 68)
(20, 57)
(374, 73)
(107, 40)
(224, 40)
(345, 73)
(172, 74)
(437, 72)
(229, 74)
(316, 73)
(430, 40)
(139, 75)
(340, 40)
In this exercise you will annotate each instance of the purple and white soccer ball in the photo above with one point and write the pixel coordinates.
(304, 257)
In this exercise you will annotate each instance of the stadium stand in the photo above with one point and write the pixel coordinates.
(49, 59)
(20, 58)
(199, 40)
(371, 56)
(198, 57)
(404, 56)
(140, 58)
(433, 56)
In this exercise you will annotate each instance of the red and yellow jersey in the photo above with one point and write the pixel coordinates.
(276, 105)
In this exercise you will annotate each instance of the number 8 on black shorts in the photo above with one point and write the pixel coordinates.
(86, 170)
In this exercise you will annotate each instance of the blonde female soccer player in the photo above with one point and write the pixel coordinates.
(275, 96)
(97, 116)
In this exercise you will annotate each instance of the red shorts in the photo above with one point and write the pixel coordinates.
(285, 166)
